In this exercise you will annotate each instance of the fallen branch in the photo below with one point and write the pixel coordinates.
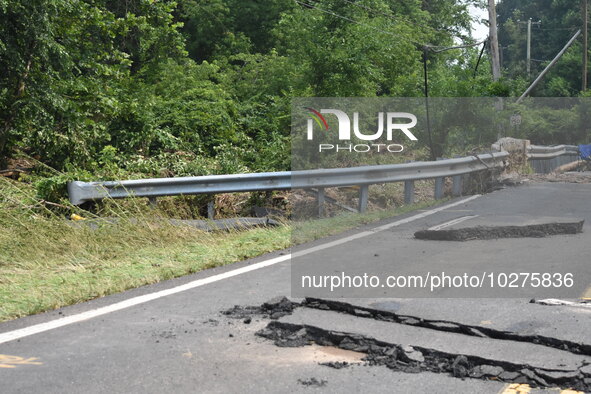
(573, 165)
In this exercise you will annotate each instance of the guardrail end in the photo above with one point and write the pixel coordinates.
(76, 192)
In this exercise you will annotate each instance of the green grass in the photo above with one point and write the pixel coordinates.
(47, 262)
(315, 229)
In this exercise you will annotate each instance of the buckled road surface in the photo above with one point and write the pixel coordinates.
(229, 329)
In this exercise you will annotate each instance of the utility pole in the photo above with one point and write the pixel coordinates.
(494, 40)
(585, 50)
(528, 48)
(426, 76)
(549, 66)
(529, 24)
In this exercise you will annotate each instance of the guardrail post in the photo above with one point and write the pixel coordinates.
(409, 192)
(320, 198)
(439, 186)
(211, 209)
(152, 202)
(457, 186)
(363, 198)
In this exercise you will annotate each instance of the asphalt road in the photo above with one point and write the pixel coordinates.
(173, 336)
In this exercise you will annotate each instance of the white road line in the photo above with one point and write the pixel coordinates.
(64, 321)
(555, 301)
(452, 222)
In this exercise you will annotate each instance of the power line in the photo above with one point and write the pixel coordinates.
(397, 19)
(349, 19)
(385, 14)
(443, 49)
(538, 28)
(393, 17)
(430, 47)
(479, 58)
(557, 28)
(339, 16)
(369, 9)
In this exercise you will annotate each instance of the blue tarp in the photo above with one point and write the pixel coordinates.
(585, 152)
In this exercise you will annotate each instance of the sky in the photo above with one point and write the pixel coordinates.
(479, 30)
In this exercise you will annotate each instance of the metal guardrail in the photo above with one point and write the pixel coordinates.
(545, 159)
(549, 152)
(367, 175)
(80, 192)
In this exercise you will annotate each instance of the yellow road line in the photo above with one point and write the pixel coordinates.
(7, 361)
(587, 294)
(516, 388)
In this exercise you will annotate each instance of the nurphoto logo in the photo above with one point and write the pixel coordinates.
(393, 123)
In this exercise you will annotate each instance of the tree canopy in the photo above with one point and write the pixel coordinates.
(204, 86)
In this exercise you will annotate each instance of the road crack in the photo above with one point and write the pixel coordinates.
(416, 359)
(448, 326)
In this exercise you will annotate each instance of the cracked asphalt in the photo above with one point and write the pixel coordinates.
(184, 342)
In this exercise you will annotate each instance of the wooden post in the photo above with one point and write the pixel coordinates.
(494, 40)
(529, 49)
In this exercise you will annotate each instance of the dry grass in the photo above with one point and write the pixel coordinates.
(47, 261)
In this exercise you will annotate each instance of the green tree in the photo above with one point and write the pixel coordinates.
(67, 63)
(559, 19)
